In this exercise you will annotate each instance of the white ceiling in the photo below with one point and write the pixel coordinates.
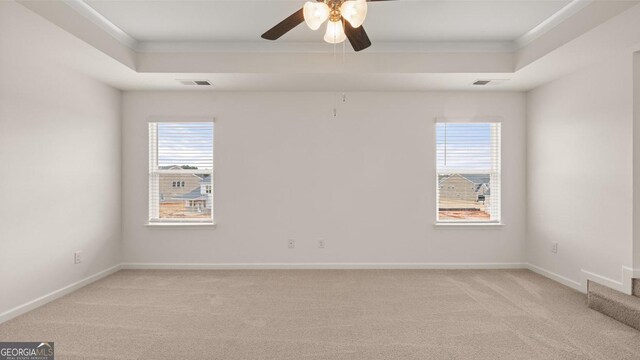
(594, 30)
(392, 21)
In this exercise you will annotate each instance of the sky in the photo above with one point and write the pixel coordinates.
(185, 144)
(464, 147)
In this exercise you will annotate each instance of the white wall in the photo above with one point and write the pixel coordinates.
(636, 163)
(60, 165)
(579, 171)
(363, 181)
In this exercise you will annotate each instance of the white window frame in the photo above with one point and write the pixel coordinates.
(153, 219)
(497, 167)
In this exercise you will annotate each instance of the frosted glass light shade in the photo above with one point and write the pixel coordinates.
(335, 32)
(315, 13)
(354, 11)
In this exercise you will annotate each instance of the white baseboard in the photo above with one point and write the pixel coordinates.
(21, 309)
(284, 266)
(623, 286)
(603, 280)
(557, 277)
(628, 274)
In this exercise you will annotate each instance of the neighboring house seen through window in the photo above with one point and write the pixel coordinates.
(181, 172)
(468, 172)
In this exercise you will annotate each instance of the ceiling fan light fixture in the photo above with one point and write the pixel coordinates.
(335, 33)
(315, 13)
(354, 11)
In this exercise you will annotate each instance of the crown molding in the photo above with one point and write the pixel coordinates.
(321, 47)
(554, 20)
(85, 10)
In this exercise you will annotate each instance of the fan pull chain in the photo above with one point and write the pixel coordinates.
(335, 63)
(344, 68)
(340, 94)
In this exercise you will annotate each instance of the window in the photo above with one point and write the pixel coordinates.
(468, 172)
(181, 172)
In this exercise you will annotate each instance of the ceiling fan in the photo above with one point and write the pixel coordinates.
(345, 21)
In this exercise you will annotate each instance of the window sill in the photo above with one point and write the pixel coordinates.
(467, 226)
(207, 226)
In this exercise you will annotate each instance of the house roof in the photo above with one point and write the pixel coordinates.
(477, 179)
(191, 195)
(204, 178)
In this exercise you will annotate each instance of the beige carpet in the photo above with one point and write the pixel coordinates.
(622, 307)
(325, 314)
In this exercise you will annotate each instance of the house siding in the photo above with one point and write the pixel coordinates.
(459, 188)
(167, 189)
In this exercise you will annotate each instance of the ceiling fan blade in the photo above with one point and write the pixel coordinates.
(367, 0)
(284, 26)
(357, 36)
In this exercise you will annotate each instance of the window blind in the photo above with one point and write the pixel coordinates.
(181, 172)
(468, 171)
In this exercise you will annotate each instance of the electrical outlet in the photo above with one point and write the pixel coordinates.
(292, 243)
(77, 257)
(321, 244)
(554, 247)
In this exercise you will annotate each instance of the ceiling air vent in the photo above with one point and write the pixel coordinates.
(195, 82)
(490, 82)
